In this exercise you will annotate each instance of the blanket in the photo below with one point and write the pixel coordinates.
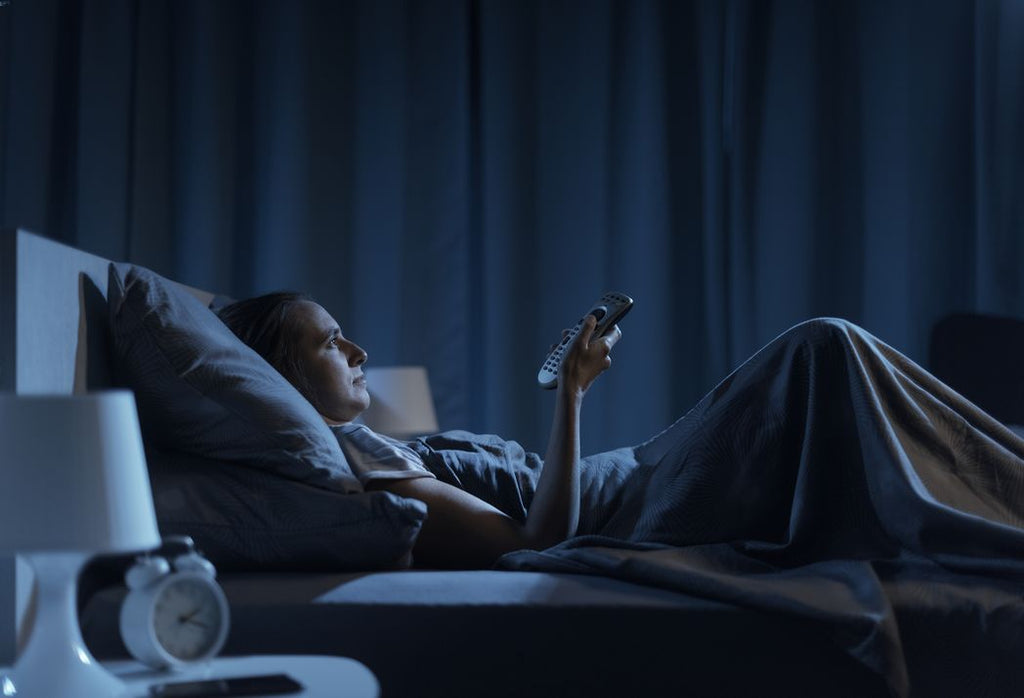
(828, 476)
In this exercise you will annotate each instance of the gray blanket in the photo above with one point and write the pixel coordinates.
(828, 477)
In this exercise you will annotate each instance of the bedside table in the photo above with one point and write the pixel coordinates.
(320, 676)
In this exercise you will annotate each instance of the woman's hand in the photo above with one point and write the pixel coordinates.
(587, 357)
(463, 530)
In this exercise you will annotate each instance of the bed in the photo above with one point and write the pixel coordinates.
(537, 624)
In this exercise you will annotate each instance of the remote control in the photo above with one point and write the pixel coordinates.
(608, 310)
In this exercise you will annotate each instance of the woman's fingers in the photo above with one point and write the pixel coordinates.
(587, 356)
(612, 337)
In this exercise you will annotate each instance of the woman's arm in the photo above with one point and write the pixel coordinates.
(555, 511)
(464, 531)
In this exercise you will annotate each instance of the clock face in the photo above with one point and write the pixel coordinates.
(189, 618)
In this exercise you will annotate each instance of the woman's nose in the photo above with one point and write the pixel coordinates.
(356, 355)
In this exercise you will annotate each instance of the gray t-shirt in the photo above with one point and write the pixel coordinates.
(373, 456)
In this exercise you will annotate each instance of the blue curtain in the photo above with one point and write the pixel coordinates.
(457, 181)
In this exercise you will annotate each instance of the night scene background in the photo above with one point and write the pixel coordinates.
(456, 181)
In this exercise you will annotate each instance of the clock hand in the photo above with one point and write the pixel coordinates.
(190, 618)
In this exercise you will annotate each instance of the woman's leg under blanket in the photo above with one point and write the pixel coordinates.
(828, 443)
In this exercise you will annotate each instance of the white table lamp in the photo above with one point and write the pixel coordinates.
(73, 483)
(400, 401)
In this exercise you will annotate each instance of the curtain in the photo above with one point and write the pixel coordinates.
(456, 181)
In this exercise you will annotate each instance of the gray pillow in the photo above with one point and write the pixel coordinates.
(202, 391)
(239, 460)
(244, 519)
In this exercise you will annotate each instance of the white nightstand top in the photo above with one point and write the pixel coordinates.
(321, 676)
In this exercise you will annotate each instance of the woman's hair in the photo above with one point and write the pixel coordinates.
(267, 324)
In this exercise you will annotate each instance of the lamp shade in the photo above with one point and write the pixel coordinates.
(400, 401)
(73, 475)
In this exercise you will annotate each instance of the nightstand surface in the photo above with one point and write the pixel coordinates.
(321, 676)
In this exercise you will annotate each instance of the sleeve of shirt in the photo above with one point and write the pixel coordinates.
(374, 456)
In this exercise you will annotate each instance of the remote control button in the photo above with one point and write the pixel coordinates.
(599, 313)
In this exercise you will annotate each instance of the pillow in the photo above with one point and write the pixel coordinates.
(200, 390)
(239, 459)
(243, 519)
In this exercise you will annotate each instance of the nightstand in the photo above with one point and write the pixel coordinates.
(320, 676)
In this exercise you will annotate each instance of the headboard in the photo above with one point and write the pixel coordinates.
(53, 316)
(52, 294)
(53, 339)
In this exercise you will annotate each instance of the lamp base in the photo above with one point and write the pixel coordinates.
(56, 662)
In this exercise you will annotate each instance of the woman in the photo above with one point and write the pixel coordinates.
(826, 444)
(306, 345)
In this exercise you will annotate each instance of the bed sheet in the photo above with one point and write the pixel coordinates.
(504, 633)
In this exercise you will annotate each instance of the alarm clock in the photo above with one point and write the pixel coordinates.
(175, 613)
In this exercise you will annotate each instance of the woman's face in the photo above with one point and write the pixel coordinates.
(331, 365)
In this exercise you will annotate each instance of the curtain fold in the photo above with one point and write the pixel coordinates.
(457, 180)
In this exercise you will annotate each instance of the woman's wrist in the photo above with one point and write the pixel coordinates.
(570, 393)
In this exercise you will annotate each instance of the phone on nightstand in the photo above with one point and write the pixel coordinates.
(261, 685)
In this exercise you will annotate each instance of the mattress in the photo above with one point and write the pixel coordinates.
(504, 633)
